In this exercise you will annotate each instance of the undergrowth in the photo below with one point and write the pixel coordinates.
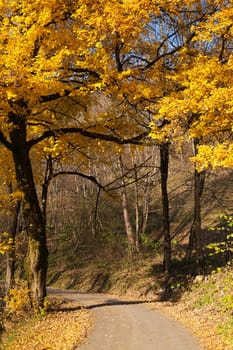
(63, 327)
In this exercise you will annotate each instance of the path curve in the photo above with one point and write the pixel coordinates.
(130, 325)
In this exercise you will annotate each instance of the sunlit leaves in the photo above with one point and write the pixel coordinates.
(32, 50)
(200, 104)
(220, 155)
(169, 58)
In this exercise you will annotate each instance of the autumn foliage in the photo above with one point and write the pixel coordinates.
(160, 66)
(200, 104)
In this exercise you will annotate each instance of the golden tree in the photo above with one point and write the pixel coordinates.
(57, 57)
(50, 58)
(202, 102)
(199, 100)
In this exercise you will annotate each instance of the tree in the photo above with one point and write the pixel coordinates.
(199, 101)
(136, 172)
(164, 165)
(44, 63)
(11, 236)
(10, 200)
(202, 102)
(125, 209)
(57, 57)
(195, 237)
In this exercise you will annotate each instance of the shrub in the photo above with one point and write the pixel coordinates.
(18, 299)
(224, 247)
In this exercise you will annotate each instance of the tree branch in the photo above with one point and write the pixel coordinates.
(5, 142)
(86, 71)
(88, 177)
(76, 71)
(136, 140)
(53, 97)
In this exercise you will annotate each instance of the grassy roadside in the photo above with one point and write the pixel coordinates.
(207, 309)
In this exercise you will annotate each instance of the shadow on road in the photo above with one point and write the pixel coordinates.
(115, 302)
(98, 304)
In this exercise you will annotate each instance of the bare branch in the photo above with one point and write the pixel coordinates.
(5, 142)
(54, 97)
(136, 140)
(88, 177)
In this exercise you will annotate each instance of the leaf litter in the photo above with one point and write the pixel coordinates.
(63, 327)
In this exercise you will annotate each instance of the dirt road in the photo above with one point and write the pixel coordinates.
(131, 325)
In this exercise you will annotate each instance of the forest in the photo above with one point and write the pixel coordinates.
(116, 131)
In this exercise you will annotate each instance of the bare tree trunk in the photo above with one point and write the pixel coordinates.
(37, 254)
(195, 238)
(45, 187)
(164, 162)
(128, 226)
(137, 216)
(146, 204)
(11, 256)
(197, 219)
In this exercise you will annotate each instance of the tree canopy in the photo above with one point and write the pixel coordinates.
(201, 103)
(75, 71)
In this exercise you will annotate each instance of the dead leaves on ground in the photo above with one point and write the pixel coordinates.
(63, 328)
(203, 322)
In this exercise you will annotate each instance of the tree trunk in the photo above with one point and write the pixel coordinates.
(45, 187)
(37, 254)
(195, 238)
(137, 216)
(146, 203)
(128, 226)
(197, 219)
(164, 162)
(11, 257)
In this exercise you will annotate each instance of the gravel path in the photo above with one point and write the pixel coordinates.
(129, 325)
